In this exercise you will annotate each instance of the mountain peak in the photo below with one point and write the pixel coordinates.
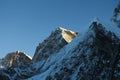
(58, 38)
(96, 25)
(95, 21)
(68, 35)
(14, 59)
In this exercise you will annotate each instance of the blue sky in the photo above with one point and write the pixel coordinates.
(26, 23)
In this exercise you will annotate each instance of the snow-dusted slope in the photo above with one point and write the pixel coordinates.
(92, 56)
(58, 38)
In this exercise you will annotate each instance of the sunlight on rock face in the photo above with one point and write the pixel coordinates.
(14, 59)
(68, 35)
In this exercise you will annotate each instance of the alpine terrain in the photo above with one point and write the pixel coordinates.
(69, 55)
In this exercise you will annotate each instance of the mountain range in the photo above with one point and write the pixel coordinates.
(70, 55)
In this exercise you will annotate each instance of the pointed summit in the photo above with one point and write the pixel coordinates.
(68, 35)
(57, 40)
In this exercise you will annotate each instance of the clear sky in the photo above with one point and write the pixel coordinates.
(26, 23)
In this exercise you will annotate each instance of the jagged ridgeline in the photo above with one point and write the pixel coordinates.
(92, 56)
(68, 55)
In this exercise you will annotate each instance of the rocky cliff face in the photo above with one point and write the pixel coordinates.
(58, 38)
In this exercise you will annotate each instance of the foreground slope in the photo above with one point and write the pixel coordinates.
(92, 56)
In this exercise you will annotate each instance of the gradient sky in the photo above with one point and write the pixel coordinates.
(26, 23)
